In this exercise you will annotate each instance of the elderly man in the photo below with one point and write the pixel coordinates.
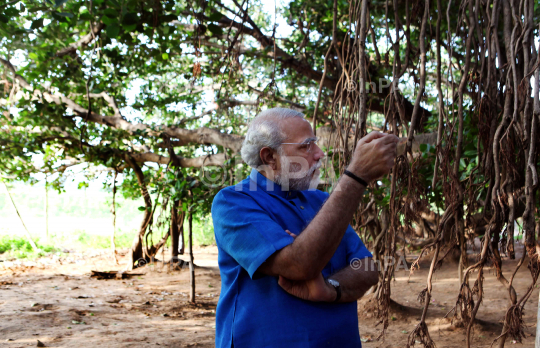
(285, 248)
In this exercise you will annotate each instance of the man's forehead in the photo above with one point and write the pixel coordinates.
(297, 128)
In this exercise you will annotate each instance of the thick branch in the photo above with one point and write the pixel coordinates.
(197, 162)
(286, 59)
(198, 136)
(83, 41)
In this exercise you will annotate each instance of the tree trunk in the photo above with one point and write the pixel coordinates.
(191, 265)
(137, 254)
(182, 240)
(177, 219)
(177, 231)
(113, 211)
(46, 210)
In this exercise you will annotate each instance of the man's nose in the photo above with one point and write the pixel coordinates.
(318, 154)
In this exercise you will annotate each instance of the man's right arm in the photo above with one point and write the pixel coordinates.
(306, 257)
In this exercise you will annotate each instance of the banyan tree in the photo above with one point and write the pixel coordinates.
(159, 92)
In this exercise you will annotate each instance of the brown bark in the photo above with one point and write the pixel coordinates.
(191, 265)
(177, 231)
(83, 41)
(137, 254)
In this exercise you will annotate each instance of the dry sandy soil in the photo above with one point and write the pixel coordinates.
(56, 302)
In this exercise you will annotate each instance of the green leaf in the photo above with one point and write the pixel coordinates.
(423, 147)
(113, 3)
(129, 28)
(130, 18)
(33, 56)
(56, 15)
(59, 2)
(215, 30)
(202, 29)
(168, 18)
(4, 19)
(65, 14)
(141, 208)
(165, 56)
(38, 23)
(85, 16)
(214, 17)
(111, 13)
(37, 9)
(113, 30)
(108, 20)
(11, 12)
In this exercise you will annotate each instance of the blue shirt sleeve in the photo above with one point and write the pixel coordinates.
(355, 248)
(245, 231)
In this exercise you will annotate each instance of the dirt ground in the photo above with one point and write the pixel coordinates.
(54, 300)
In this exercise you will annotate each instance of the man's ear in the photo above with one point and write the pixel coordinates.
(269, 157)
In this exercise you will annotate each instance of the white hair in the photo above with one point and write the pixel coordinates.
(265, 131)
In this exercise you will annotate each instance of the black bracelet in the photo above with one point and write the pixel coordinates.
(358, 179)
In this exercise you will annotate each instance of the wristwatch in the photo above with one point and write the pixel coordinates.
(336, 286)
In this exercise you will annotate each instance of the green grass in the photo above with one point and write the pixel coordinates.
(122, 240)
(203, 232)
(85, 204)
(20, 248)
(16, 246)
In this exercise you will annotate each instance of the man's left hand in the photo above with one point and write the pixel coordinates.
(317, 289)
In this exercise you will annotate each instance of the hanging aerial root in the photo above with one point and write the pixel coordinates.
(465, 303)
(422, 295)
(513, 319)
(420, 334)
(383, 306)
(514, 324)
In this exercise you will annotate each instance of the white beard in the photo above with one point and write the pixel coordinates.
(294, 179)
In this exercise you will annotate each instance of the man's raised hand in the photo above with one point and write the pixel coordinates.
(374, 156)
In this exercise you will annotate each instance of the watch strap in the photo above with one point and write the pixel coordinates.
(338, 296)
(336, 286)
(356, 178)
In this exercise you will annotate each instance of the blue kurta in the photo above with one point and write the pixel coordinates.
(253, 311)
